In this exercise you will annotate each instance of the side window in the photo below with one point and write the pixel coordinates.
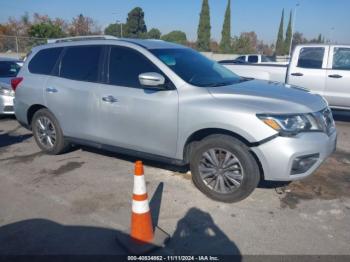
(126, 64)
(253, 59)
(81, 63)
(311, 57)
(241, 58)
(341, 58)
(44, 61)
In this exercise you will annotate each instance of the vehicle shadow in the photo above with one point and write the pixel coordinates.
(341, 115)
(7, 117)
(10, 138)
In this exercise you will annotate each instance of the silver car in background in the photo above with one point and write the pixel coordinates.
(8, 69)
(162, 101)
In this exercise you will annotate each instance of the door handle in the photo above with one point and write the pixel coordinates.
(51, 90)
(109, 99)
(297, 74)
(335, 76)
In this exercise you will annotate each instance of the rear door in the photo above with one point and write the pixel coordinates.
(71, 93)
(338, 77)
(132, 116)
(308, 68)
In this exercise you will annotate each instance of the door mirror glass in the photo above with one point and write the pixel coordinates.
(152, 79)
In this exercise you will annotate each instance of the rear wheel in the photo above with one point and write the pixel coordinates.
(48, 134)
(223, 168)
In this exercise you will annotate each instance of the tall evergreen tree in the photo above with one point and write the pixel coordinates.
(203, 41)
(135, 23)
(280, 42)
(288, 39)
(225, 44)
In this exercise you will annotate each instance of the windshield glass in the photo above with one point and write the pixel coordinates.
(195, 68)
(8, 69)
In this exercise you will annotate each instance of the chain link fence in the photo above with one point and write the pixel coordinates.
(18, 46)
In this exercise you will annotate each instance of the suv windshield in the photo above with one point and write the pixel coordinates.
(195, 68)
(8, 68)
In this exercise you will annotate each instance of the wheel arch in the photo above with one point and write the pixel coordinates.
(31, 111)
(199, 135)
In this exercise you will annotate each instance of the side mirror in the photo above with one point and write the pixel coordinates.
(152, 79)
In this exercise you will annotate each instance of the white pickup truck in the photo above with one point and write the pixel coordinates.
(322, 69)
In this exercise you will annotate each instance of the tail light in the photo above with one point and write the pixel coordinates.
(15, 82)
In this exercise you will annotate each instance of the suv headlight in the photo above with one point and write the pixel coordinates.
(6, 92)
(291, 124)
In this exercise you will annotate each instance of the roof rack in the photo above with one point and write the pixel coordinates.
(81, 38)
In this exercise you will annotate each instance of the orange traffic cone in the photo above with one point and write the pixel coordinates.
(141, 220)
(142, 239)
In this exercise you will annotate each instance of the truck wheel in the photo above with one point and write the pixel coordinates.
(48, 134)
(223, 168)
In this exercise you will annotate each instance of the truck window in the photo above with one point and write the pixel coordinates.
(341, 58)
(311, 57)
(253, 59)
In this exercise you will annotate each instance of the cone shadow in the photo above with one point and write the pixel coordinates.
(155, 204)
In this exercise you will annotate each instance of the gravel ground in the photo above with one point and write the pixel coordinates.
(76, 203)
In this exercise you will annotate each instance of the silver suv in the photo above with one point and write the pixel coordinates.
(166, 102)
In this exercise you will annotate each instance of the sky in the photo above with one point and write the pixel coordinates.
(331, 18)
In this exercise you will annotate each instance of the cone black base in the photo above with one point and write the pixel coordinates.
(138, 248)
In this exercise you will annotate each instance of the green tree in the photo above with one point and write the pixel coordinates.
(287, 41)
(178, 37)
(135, 24)
(203, 41)
(280, 42)
(45, 30)
(246, 43)
(83, 25)
(225, 44)
(114, 29)
(154, 33)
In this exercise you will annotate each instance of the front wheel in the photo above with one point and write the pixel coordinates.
(223, 168)
(48, 134)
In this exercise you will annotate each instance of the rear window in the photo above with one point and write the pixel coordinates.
(341, 58)
(311, 57)
(8, 68)
(81, 63)
(44, 61)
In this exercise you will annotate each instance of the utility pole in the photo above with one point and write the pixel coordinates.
(293, 24)
(121, 24)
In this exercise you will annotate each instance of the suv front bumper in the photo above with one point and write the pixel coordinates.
(277, 156)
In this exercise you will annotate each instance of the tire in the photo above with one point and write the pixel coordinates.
(44, 124)
(237, 178)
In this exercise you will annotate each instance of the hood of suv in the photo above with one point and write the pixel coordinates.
(270, 97)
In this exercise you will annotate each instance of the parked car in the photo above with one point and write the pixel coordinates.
(145, 98)
(253, 59)
(8, 69)
(323, 69)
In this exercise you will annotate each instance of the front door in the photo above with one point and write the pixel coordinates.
(308, 70)
(133, 116)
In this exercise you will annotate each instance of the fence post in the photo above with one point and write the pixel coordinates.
(17, 49)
